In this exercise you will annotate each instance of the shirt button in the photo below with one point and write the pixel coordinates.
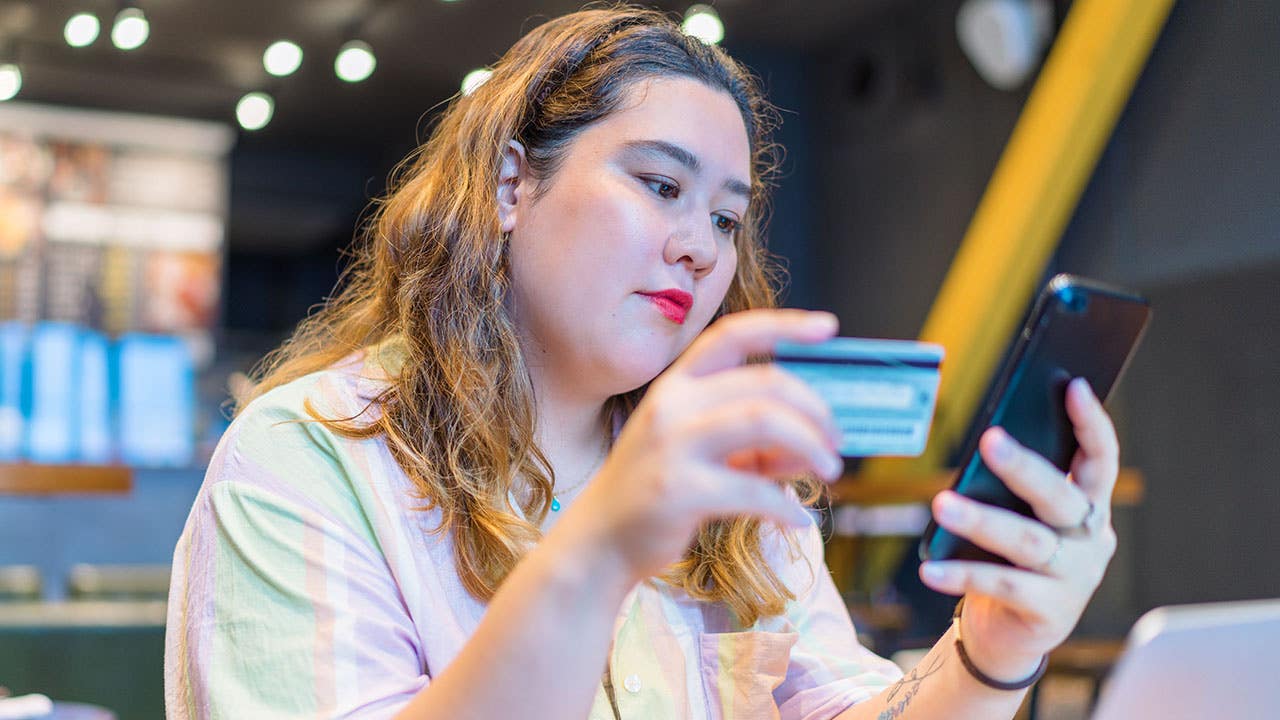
(632, 684)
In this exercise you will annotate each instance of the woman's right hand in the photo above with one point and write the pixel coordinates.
(711, 438)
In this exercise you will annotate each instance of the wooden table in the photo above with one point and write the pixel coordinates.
(859, 489)
(35, 479)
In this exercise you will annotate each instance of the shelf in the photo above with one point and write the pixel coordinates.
(93, 614)
(33, 479)
(857, 489)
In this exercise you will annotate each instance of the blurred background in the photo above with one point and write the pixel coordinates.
(177, 186)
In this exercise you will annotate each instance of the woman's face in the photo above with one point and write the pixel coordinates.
(629, 249)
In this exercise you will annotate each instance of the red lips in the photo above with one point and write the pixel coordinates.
(674, 304)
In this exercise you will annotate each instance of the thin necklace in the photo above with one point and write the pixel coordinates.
(555, 496)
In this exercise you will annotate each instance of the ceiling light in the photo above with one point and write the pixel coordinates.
(702, 22)
(131, 29)
(282, 58)
(254, 110)
(475, 79)
(10, 81)
(81, 30)
(1004, 39)
(355, 61)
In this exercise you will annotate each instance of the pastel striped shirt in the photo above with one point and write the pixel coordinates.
(306, 584)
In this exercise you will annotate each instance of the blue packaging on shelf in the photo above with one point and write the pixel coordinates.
(156, 400)
(54, 390)
(13, 351)
(94, 426)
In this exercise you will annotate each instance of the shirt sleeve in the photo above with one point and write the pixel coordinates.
(282, 604)
(829, 670)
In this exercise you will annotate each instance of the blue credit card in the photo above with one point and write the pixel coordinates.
(883, 392)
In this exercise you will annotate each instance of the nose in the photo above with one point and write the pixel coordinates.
(693, 245)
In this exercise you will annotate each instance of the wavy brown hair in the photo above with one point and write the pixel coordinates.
(430, 271)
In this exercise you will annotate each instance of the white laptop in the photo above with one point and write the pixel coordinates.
(1217, 660)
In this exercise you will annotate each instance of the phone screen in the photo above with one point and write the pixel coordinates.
(1078, 328)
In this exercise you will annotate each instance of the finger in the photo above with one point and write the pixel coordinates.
(770, 463)
(1055, 500)
(763, 424)
(1028, 593)
(1100, 514)
(767, 381)
(737, 493)
(734, 337)
(1022, 541)
(1098, 461)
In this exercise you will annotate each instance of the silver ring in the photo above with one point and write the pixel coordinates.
(1057, 550)
(1082, 528)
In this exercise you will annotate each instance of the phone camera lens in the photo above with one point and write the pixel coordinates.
(1073, 301)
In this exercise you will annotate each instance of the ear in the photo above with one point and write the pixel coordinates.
(511, 173)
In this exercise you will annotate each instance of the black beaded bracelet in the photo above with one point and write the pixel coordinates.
(983, 677)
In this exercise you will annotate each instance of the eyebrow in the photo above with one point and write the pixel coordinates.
(662, 148)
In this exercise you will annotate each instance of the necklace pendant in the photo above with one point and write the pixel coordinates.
(555, 504)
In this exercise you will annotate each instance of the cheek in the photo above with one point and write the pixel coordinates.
(594, 221)
(550, 243)
(721, 278)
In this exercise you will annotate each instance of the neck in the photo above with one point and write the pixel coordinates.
(570, 427)
(569, 423)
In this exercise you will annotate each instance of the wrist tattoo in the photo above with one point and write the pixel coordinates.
(908, 686)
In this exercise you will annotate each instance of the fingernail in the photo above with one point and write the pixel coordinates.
(824, 320)
(1080, 385)
(934, 572)
(1002, 446)
(953, 511)
(835, 467)
(834, 437)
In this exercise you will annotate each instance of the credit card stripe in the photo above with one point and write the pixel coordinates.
(882, 429)
(866, 362)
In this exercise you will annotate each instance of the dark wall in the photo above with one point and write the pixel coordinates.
(1188, 187)
(1202, 411)
(906, 136)
(293, 207)
(792, 216)
(1183, 207)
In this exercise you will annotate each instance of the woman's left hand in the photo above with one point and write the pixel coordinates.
(1014, 615)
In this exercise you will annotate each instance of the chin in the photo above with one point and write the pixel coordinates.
(636, 361)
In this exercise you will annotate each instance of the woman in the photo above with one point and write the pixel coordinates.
(432, 507)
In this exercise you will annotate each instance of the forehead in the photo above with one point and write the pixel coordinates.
(703, 120)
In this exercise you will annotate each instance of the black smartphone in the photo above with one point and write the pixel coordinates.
(1077, 328)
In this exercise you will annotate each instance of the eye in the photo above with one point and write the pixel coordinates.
(724, 223)
(665, 188)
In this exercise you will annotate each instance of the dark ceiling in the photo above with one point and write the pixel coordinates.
(203, 56)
